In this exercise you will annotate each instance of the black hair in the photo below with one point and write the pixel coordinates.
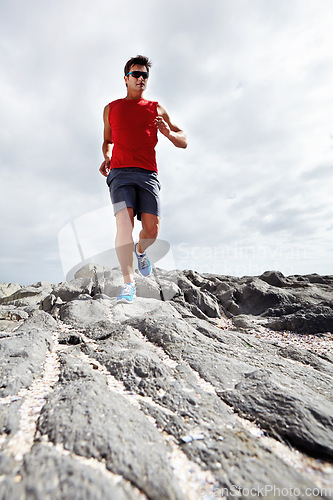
(141, 60)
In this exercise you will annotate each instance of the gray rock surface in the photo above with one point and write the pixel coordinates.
(103, 425)
(23, 352)
(165, 399)
(303, 304)
(48, 475)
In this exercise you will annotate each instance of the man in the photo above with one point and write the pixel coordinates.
(130, 137)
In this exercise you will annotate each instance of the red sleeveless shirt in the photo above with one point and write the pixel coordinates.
(134, 133)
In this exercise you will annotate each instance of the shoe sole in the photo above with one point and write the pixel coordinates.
(125, 301)
(145, 275)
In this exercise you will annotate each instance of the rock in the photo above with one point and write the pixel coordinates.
(302, 304)
(9, 417)
(245, 321)
(105, 281)
(201, 303)
(6, 326)
(117, 432)
(69, 291)
(298, 415)
(90, 270)
(29, 295)
(182, 405)
(10, 317)
(318, 318)
(23, 352)
(86, 311)
(275, 278)
(7, 289)
(7, 465)
(47, 474)
(12, 313)
(168, 397)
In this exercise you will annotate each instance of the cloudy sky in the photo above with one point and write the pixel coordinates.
(251, 83)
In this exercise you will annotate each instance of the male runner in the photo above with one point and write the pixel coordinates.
(130, 137)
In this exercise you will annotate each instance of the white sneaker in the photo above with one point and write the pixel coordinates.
(127, 294)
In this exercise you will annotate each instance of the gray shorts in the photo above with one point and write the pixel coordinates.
(134, 187)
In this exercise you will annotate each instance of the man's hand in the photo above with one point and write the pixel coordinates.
(162, 126)
(169, 129)
(105, 167)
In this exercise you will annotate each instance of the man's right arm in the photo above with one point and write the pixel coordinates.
(107, 143)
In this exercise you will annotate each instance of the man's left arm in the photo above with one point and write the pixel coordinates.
(169, 129)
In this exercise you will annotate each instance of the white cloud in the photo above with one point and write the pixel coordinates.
(250, 82)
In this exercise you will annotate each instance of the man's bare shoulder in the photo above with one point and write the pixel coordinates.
(160, 110)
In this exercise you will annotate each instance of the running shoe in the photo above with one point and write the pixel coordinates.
(143, 262)
(127, 294)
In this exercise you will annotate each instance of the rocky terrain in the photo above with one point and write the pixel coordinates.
(205, 387)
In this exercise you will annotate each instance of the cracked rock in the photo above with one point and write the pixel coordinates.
(188, 397)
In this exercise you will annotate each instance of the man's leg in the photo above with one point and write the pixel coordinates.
(149, 232)
(124, 242)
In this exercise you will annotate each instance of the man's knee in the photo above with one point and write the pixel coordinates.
(150, 226)
(151, 230)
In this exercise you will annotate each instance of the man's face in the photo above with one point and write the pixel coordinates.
(136, 84)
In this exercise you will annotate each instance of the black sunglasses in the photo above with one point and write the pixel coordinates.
(137, 74)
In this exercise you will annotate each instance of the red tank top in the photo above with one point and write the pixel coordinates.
(134, 133)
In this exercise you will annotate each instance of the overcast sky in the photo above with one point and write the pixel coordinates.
(251, 83)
